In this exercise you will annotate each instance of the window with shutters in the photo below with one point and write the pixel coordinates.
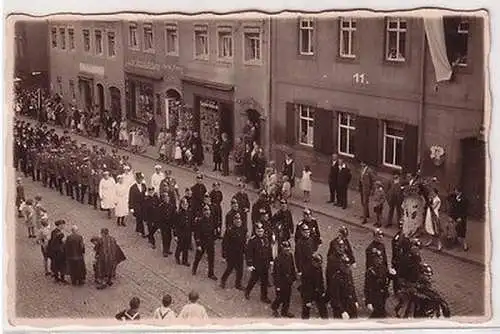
(346, 129)
(53, 37)
(201, 42)
(306, 124)
(86, 40)
(62, 35)
(396, 40)
(393, 144)
(306, 37)
(347, 37)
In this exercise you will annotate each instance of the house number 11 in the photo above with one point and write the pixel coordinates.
(360, 78)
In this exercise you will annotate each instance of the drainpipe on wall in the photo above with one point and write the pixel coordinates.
(421, 113)
(269, 93)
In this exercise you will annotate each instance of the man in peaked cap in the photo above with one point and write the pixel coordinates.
(378, 245)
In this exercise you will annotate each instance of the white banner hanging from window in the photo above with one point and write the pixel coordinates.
(434, 30)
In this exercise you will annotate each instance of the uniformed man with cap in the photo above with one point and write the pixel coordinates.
(312, 289)
(342, 241)
(340, 284)
(259, 259)
(431, 303)
(151, 216)
(137, 192)
(216, 198)
(400, 245)
(73, 177)
(282, 222)
(284, 274)
(312, 223)
(95, 178)
(204, 235)
(377, 278)
(43, 165)
(233, 251)
(198, 194)
(228, 222)
(261, 203)
(410, 263)
(84, 174)
(378, 245)
(243, 201)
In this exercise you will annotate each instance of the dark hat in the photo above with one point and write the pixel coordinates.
(207, 195)
(234, 201)
(151, 189)
(426, 269)
(259, 226)
(138, 175)
(307, 211)
(416, 243)
(59, 222)
(378, 232)
(286, 244)
(317, 257)
(237, 216)
(284, 201)
(199, 176)
(304, 227)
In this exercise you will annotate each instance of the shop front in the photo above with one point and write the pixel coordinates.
(212, 109)
(140, 94)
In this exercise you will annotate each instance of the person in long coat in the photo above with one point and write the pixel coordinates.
(19, 195)
(74, 250)
(56, 252)
(121, 201)
(107, 192)
(108, 256)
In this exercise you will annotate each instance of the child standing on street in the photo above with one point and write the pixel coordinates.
(286, 188)
(164, 312)
(132, 313)
(193, 310)
(378, 200)
(306, 183)
(29, 218)
(178, 153)
(43, 240)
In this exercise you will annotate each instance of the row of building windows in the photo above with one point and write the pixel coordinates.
(201, 40)
(60, 41)
(457, 33)
(392, 152)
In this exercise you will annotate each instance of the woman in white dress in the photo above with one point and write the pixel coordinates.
(121, 201)
(432, 225)
(107, 193)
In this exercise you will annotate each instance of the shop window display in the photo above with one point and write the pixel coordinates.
(209, 120)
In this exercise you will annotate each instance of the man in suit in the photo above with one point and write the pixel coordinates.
(366, 181)
(332, 179)
(74, 250)
(343, 180)
(136, 197)
(395, 199)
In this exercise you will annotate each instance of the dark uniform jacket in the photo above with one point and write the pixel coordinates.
(242, 199)
(74, 247)
(313, 286)
(198, 190)
(343, 245)
(376, 287)
(370, 256)
(204, 231)
(304, 250)
(284, 272)
(136, 198)
(258, 252)
(233, 243)
(315, 234)
(259, 204)
(283, 224)
(150, 207)
(183, 225)
(165, 214)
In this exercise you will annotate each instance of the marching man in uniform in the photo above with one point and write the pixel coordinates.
(284, 274)
(376, 288)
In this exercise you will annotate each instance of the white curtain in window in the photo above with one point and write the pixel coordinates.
(434, 30)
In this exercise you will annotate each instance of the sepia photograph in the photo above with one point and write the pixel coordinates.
(295, 167)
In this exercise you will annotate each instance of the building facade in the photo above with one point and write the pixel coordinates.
(86, 63)
(365, 88)
(217, 69)
(31, 54)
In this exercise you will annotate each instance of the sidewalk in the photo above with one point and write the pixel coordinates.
(476, 230)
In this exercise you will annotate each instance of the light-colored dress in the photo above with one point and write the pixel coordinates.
(107, 193)
(121, 199)
(128, 179)
(177, 152)
(432, 217)
(123, 134)
(306, 183)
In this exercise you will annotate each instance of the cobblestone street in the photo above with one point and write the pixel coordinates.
(148, 275)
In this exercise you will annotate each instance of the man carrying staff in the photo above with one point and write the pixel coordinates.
(108, 256)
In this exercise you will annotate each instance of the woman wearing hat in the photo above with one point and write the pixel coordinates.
(121, 201)
(107, 193)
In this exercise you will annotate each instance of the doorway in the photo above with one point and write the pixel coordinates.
(100, 99)
(85, 87)
(473, 180)
(116, 102)
(254, 117)
(172, 110)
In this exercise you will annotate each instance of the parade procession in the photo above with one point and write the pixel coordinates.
(277, 251)
(197, 185)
